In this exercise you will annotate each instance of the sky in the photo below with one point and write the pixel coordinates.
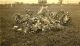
(35, 1)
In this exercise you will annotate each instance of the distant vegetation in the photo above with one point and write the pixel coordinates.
(18, 3)
(79, 3)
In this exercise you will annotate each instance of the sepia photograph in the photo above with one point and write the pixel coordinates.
(39, 22)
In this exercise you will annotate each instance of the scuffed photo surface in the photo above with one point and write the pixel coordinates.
(39, 22)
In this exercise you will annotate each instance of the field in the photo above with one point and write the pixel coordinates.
(67, 37)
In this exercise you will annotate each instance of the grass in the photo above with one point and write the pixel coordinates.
(67, 37)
